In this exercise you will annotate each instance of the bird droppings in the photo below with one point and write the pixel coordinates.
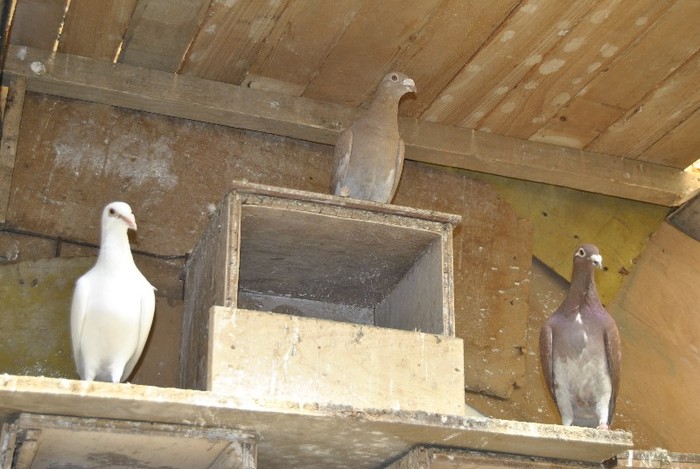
(508, 107)
(474, 68)
(593, 67)
(529, 8)
(38, 68)
(531, 85)
(574, 44)
(533, 60)
(501, 90)
(561, 99)
(507, 35)
(600, 16)
(551, 66)
(641, 21)
(608, 50)
(478, 115)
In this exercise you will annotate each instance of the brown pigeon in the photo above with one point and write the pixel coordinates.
(369, 153)
(580, 350)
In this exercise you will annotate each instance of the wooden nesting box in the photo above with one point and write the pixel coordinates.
(300, 297)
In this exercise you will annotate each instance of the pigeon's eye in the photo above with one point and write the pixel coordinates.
(581, 253)
(394, 78)
(112, 211)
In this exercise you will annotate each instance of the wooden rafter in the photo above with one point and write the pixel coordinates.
(301, 118)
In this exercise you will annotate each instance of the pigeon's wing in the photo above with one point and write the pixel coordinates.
(613, 355)
(398, 169)
(343, 148)
(546, 357)
(148, 306)
(78, 310)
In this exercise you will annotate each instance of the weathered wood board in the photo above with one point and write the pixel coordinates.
(14, 105)
(657, 314)
(312, 437)
(45, 442)
(440, 458)
(281, 359)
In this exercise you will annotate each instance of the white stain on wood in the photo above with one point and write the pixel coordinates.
(551, 66)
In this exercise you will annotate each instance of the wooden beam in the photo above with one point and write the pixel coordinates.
(8, 146)
(364, 438)
(301, 118)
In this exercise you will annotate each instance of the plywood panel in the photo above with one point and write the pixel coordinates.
(528, 33)
(623, 85)
(300, 42)
(454, 33)
(492, 255)
(563, 218)
(369, 46)
(677, 148)
(656, 312)
(589, 47)
(160, 32)
(95, 28)
(676, 98)
(577, 123)
(36, 23)
(230, 38)
(287, 360)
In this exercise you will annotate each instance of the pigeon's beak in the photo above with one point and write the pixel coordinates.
(410, 84)
(129, 220)
(597, 260)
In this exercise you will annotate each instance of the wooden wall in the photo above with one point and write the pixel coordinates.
(74, 156)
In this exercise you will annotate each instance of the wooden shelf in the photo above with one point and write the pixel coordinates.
(308, 436)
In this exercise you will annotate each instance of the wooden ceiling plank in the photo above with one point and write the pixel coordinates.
(95, 28)
(160, 32)
(36, 23)
(679, 147)
(301, 40)
(525, 37)
(230, 38)
(591, 46)
(577, 123)
(214, 102)
(368, 49)
(676, 98)
(669, 43)
(454, 33)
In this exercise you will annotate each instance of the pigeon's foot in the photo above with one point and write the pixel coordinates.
(603, 426)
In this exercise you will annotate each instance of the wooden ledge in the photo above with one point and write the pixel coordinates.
(294, 435)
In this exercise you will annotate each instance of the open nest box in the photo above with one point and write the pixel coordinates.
(297, 298)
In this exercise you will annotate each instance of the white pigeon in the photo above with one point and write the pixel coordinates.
(113, 305)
